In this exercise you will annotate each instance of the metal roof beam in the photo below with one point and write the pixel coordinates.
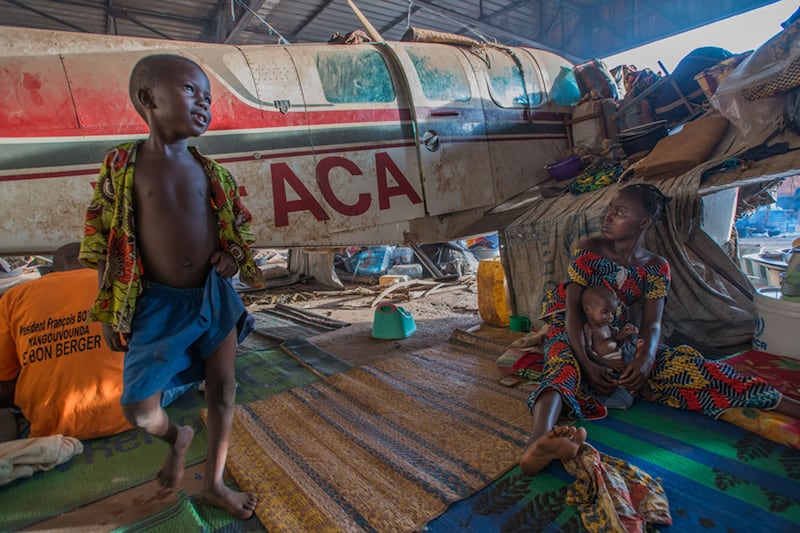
(119, 12)
(45, 15)
(311, 18)
(111, 22)
(137, 12)
(472, 23)
(245, 17)
(398, 20)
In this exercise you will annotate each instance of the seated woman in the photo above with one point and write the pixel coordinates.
(678, 376)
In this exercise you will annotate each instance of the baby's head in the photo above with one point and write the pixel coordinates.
(599, 305)
(164, 70)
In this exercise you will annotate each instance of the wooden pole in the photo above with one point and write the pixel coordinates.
(373, 33)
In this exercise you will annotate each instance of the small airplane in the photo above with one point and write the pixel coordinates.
(331, 145)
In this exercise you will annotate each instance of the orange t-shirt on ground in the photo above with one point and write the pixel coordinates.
(69, 382)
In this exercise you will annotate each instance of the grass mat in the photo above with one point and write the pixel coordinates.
(382, 447)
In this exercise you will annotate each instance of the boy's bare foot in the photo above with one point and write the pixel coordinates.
(172, 470)
(238, 504)
(561, 442)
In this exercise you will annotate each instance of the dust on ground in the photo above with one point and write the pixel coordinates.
(437, 308)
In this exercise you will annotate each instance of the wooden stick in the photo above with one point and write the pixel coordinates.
(373, 33)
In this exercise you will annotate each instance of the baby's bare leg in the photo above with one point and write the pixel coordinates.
(221, 397)
(149, 416)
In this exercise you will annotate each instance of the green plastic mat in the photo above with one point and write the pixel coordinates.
(187, 514)
(113, 464)
(719, 478)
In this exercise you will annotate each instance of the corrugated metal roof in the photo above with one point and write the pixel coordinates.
(578, 29)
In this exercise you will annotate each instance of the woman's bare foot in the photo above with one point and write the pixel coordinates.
(561, 442)
(238, 504)
(172, 470)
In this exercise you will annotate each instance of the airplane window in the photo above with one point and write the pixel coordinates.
(354, 76)
(440, 74)
(506, 84)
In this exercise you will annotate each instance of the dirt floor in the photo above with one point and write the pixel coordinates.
(437, 309)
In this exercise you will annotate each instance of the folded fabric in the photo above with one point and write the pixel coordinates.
(524, 356)
(682, 151)
(613, 495)
(21, 458)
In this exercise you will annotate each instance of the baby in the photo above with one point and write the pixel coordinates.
(606, 344)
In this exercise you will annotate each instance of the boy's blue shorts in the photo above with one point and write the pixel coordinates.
(175, 330)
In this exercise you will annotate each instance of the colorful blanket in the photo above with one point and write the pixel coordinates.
(784, 374)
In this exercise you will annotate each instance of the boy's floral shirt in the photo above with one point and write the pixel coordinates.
(109, 233)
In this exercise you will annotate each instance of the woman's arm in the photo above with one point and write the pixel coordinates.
(638, 371)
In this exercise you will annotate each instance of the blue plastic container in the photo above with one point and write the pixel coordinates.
(374, 261)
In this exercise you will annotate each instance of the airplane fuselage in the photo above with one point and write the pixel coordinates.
(330, 144)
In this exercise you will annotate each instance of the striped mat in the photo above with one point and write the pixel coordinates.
(718, 478)
(384, 448)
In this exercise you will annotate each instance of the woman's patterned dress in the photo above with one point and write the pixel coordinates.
(681, 376)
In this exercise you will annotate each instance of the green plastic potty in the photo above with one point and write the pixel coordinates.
(392, 322)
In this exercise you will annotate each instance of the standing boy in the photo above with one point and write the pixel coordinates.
(165, 228)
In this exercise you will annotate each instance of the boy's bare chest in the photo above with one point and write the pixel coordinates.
(168, 185)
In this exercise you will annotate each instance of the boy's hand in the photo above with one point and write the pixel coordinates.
(628, 330)
(224, 263)
(114, 339)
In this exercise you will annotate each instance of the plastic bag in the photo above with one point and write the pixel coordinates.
(760, 116)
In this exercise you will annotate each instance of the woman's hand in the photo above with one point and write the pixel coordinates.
(114, 339)
(637, 372)
(224, 263)
(617, 365)
(599, 378)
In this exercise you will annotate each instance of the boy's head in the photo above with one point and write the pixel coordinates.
(162, 80)
(599, 305)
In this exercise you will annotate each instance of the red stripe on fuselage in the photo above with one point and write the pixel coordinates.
(242, 118)
(235, 115)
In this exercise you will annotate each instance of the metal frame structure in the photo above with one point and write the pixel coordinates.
(576, 29)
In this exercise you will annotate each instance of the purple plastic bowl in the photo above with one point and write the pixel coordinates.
(564, 169)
